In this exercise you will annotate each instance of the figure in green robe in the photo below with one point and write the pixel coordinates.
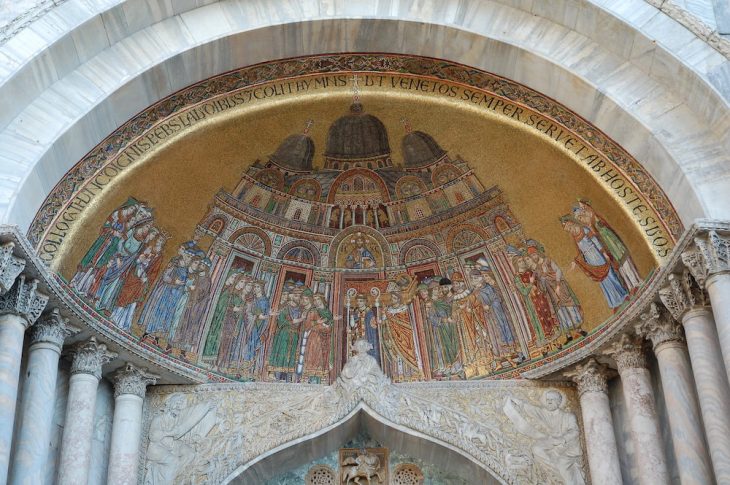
(213, 340)
(285, 345)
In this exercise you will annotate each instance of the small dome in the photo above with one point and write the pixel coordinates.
(295, 152)
(420, 149)
(357, 136)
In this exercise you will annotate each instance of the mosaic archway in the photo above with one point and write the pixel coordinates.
(300, 243)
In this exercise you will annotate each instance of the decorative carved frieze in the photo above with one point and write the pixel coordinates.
(658, 327)
(590, 376)
(628, 353)
(89, 356)
(24, 299)
(681, 294)
(715, 250)
(52, 328)
(10, 267)
(133, 380)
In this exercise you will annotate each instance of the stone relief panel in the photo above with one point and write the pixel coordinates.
(522, 432)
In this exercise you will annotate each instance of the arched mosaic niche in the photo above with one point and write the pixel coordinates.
(534, 244)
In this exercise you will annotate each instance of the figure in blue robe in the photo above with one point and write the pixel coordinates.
(159, 311)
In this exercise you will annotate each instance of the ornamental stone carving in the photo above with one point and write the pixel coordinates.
(681, 294)
(659, 327)
(52, 328)
(695, 263)
(628, 353)
(10, 267)
(715, 250)
(133, 380)
(89, 357)
(590, 376)
(24, 299)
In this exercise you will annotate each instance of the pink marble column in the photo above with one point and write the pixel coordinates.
(690, 450)
(78, 427)
(641, 407)
(591, 378)
(39, 394)
(19, 309)
(130, 385)
(686, 302)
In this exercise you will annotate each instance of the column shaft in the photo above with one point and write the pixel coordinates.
(12, 329)
(600, 439)
(126, 436)
(718, 289)
(712, 387)
(78, 430)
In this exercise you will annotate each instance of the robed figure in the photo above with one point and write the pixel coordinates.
(213, 340)
(285, 344)
(259, 313)
(318, 341)
(365, 325)
(399, 339)
(537, 303)
(444, 346)
(190, 331)
(499, 324)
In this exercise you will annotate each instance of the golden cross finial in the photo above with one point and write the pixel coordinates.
(355, 90)
(307, 126)
(406, 124)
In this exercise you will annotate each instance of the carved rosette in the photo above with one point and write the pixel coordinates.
(656, 325)
(715, 250)
(590, 376)
(133, 380)
(89, 356)
(627, 353)
(10, 267)
(52, 328)
(24, 300)
(681, 294)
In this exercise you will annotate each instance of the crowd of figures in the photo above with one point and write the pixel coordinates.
(492, 311)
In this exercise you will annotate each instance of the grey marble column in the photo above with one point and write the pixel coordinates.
(686, 301)
(20, 307)
(130, 385)
(688, 440)
(39, 393)
(79, 424)
(641, 407)
(591, 378)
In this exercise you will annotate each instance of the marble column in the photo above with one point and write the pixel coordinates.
(592, 380)
(39, 394)
(686, 301)
(20, 307)
(78, 427)
(690, 450)
(641, 407)
(130, 384)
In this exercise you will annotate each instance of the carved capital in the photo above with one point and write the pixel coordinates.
(52, 328)
(89, 356)
(10, 267)
(590, 376)
(695, 263)
(681, 294)
(24, 299)
(131, 379)
(659, 327)
(628, 353)
(715, 250)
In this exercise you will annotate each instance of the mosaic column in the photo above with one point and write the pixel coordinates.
(592, 380)
(39, 393)
(688, 439)
(640, 405)
(78, 427)
(712, 271)
(130, 384)
(20, 307)
(686, 302)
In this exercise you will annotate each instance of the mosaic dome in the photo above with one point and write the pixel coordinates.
(295, 152)
(420, 149)
(357, 136)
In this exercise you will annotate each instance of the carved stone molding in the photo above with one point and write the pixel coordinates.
(590, 376)
(89, 356)
(628, 353)
(24, 299)
(715, 250)
(133, 380)
(659, 327)
(10, 267)
(681, 294)
(695, 263)
(52, 328)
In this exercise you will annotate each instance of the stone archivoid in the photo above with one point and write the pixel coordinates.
(417, 256)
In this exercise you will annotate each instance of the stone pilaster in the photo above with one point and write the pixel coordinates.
(687, 303)
(34, 430)
(690, 450)
(715, 251)
(89, 357)
(10, 267)
(19, 308)
(130, 385)
(592, 380)
(640, 404)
